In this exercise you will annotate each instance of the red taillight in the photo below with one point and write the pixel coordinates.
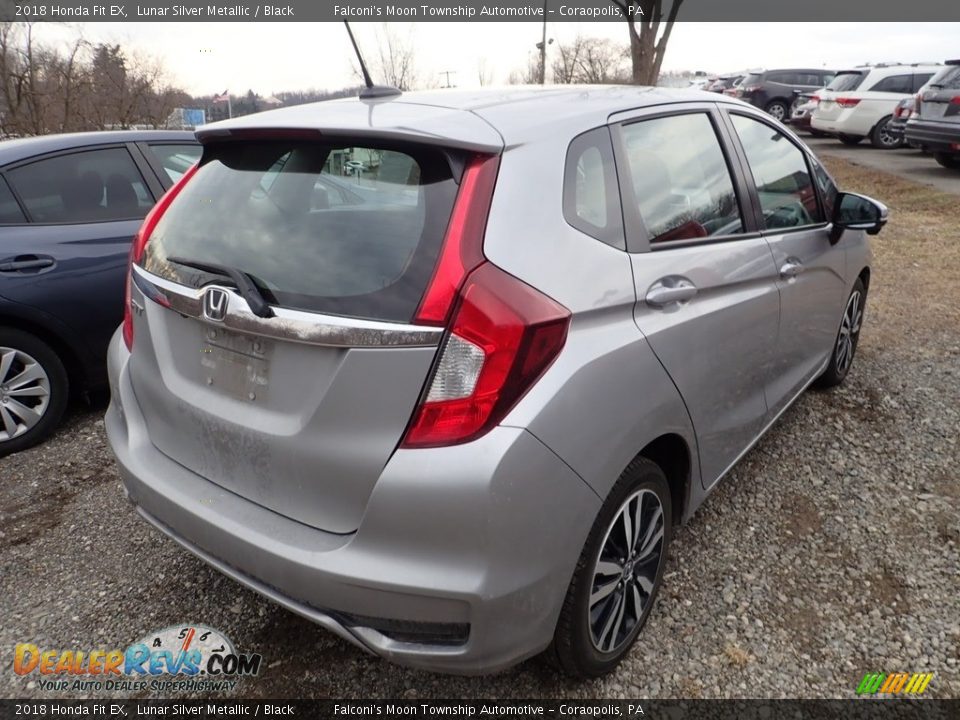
(503, 335)
(140, 241)
(917, 101)
(848, 102)
(955, 100)
(463, 245)
(815, 99)
(751, 89)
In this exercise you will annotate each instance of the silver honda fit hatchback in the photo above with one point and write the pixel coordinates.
(442, 371)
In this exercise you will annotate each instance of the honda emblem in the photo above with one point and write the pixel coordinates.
(215, 304)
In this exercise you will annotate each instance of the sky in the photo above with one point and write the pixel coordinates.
(207, 58)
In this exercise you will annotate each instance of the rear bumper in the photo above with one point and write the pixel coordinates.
(934, 136)
(480, 540)
(848, 122)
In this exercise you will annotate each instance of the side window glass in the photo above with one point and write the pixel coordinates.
(10, 212)
(680, 178)
(91, 186)
(176, 159)
(591, 196)
(779, 169)
(895, 84)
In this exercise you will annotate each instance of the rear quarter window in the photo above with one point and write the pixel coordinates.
(344, 230)
(591, 196)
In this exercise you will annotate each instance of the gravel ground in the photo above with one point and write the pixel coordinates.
(830, 551)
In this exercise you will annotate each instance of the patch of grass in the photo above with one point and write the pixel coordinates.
(913, 291)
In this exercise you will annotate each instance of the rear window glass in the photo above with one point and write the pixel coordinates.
(846, 81)
(753, 79)
(337, 229)
(948, 78)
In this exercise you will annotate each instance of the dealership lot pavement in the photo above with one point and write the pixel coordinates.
(832, 550)
(906, 162)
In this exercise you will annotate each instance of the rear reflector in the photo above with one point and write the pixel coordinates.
(140, 241)
(503, 335)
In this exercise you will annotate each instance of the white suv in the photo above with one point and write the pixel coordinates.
(859, 103)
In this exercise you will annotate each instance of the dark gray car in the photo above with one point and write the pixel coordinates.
(456, 419)
(935, 123)
(775, 91)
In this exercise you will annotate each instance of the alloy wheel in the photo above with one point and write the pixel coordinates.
(777, 111)
(886, 139)
(849, 330)
(24, 393)
(625, 571)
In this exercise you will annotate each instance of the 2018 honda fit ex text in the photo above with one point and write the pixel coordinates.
(442, 371)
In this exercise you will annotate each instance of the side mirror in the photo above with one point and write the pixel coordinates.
(857, 212)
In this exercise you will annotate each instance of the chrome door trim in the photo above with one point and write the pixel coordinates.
(288, 325)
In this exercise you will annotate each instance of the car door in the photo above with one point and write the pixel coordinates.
(810, 269)
(82, 209)
(705, 280)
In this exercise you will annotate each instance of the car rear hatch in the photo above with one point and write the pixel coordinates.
(278, 352)
(940, 99)
(844, 82)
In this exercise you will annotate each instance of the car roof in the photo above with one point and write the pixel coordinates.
(483, 119)
(17, 149)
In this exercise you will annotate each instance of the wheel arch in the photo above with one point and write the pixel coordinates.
(76, 371)
(673, 456)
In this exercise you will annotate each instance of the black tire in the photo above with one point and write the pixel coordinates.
(849, 139)
(880, 136)
(840, 364)
(778, 109)
(573, 649)
(951, 162)
(56, 384)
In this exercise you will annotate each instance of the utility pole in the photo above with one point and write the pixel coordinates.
(448, 73)
(543, 47)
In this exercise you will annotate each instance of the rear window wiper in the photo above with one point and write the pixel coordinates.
(244, 281)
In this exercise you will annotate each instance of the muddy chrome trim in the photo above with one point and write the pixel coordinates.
(289, 325)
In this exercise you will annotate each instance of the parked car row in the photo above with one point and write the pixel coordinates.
(891, 105)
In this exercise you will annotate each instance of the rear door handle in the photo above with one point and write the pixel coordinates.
(791, 268)
(670, 290)
(26, 262)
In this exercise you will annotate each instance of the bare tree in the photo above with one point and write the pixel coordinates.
(566, 59)
(529, 74)
(484, 72)
(648, 45)
(591, 61)
(45, 89)
(395, 62)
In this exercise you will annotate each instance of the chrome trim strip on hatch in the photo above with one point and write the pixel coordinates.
(290, 325)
